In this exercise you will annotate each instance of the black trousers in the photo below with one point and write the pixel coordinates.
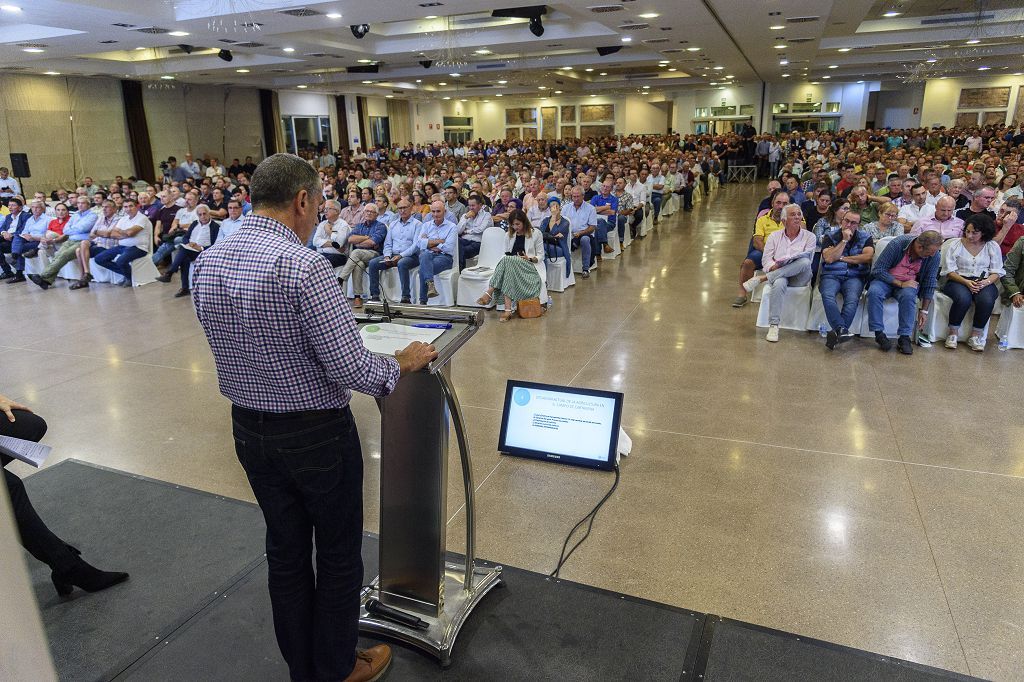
(306, 470)
(35, 536)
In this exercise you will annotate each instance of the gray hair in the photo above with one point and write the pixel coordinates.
(785, 210)
(930, 238)
(331, 203)
(279, 178)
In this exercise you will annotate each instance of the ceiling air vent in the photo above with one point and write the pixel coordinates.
(316, 54)
(490, 66)
(252, 24)
(672, 50)
(605, 9)
(299, 12)
(35, 45)
(281, 70)
(801, 20)
(107, 42)
(964, 18)
(153, 29)
(250, 45)
(800, 40)
(634, 27)
(654, 41)
(124, 25)
(471, 86)
(228, 41)
(641, 76)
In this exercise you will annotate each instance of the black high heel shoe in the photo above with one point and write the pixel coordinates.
(84, 575)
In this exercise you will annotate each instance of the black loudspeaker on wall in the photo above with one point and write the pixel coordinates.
(19, 166)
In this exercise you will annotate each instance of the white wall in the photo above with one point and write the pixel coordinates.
(940, 100)
(426, 119)
(900, 107)
(736, 95)
(304, 103)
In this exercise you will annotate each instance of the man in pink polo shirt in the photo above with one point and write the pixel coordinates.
(787, 262)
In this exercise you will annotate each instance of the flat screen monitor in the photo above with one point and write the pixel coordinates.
(578, 426)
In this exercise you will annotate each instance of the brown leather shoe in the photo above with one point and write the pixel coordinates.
(370, 664)
(608, 249)
(357, 302)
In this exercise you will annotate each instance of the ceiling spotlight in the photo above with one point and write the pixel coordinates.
(166, 78)
(843, 49)
(776, 28)
(301, 87)
(627, 39)
(225, 55)
(178, 34)
(241, 70)
(360, 30)
(498, 95)
(558, 92)
(860, 81)
(288, 49)
(33, 49)
(367, 82)
(780, 46)
(891, 14)
(826, 77)
(973, 41)
(693, 49)
(388, 96)
(482, 52)
(51, 73)
(455, 75)
(718, 68)
(984, 68)
(593, 95)
(542, 87)
(536, 27)
(418, 80)
(333, 15)
(588, 70)
(650, 15)
(783, 62)
(566, 68)
(463, 100)
(785, 75)
(603, 73)
(833, 66)
(646, 87)
(673, 69)
(442, 83)
(931, 61)
(446, 98)
(502, 82)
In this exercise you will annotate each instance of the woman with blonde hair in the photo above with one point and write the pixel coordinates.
(515, 276)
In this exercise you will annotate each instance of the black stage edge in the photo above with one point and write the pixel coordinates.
(197, 607)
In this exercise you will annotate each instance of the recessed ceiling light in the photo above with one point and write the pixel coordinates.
(718, 68)
(333, 15)
(973, 41)
(603, 73)
(290, 49)
(463, 100)
(693, 49)
(593, 95)
(826, 77)
(51, 73)
(499, 95)
(815, 83)
(650, 15)
(833, 66)
(367, 82)
(931, 61)
(860, 81)
(713, 83)
(33, 49)
(663, 61)
(890, 14)
(780, 46)
(418, 80)
(301, 87)
(843, 49)
(627, 39)
(483, 52)
(140, 48)
(361, 61)
(241, 70)
(588, 70)
(430, 16)
(783, 62)
(673, 69)
(455, 75)
(558, 92)
(984, 68)
(446, 98)
(502, 82)
(442, 83)
(646, 87)
(730, 76)
(166, 78)
(566, 68)
(542, 87)
(388, 96)
(178, 34)
(776, 28)
(10, 8)
(785, 75)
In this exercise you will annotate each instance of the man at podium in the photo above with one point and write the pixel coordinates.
(288, 355)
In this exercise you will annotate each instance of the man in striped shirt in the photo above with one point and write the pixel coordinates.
(288, 355)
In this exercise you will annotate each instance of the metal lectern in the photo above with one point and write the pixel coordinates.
(415, 575)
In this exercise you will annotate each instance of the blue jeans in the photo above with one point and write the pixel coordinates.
(166, 248)
(119, 258)
(601, 231)
(19, 247)
(878, 291)
(306, 471)
(754, 255)
(984, 301)
(404, 264)
(656, 202)
(851, 287)
(182, 260)
(467, 249)
(586, 246)
(431, 264)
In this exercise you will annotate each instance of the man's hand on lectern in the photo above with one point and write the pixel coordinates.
(415, 356)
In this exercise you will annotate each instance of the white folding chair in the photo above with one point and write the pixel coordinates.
(817, 317)
(473, 282)
(34, 266)
(796, 307)
(937, 326)
(1011, 326)
(613, 241)
(890, 308)
(758, 293)
(556, 278)
(71, 271)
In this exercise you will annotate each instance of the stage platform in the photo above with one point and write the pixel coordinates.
(197, 608)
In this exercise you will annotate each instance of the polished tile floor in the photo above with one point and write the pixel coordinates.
(868, 499)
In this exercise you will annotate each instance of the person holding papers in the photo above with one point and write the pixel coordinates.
(288, 356)
(786, 262)
(68, 568)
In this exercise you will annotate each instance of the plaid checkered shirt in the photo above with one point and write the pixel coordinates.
(283, 337)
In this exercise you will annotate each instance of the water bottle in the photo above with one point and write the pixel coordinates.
(1004, 343)
(822, 329)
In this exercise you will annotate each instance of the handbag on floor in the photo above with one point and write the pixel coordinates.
(530, 308)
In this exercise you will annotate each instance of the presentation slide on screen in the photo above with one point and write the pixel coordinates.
(560, 423)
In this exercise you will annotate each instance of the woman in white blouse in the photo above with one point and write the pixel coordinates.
(515, 276)
(972, 265)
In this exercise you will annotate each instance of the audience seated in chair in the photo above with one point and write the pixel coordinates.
(202, 234)
(764, 226)
(515, 276)
(846, 255)
(906, 270)
(401, 250)
(972, 265)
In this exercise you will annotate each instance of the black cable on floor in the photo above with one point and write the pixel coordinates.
(563, 557)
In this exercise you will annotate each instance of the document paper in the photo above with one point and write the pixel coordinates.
(24, 450)
(385, 338)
